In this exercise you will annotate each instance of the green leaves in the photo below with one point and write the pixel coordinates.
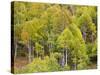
(65, 40)
(38, 47)
(38, 65)
(55, 32)
(71, 38)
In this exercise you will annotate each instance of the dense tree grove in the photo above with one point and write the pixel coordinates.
(54, 37)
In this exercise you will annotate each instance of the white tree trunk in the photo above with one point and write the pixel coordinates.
(63, 61)
(15, 51)
(66, 57)
(33, 53)
(29, 51)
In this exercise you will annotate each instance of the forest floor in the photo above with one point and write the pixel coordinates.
(20, 62)
(92, 66)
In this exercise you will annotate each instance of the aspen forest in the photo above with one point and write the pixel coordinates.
(50, 37)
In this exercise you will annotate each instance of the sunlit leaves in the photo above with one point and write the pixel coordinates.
(53, 28)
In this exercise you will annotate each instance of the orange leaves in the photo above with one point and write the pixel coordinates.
(25, 36)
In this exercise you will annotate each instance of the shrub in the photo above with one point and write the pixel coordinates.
(48, 64)
(66, 67)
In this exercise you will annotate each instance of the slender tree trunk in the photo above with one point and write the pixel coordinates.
(29, 51)
(84, 35)
(75, 64)
(83, 30)
(63, 61)
(33, 49)
(15, 50)
(66, 57)
(72, 9)
(33, 53)
(92, 37)
(43, 42)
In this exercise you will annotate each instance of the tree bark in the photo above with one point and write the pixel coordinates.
(75, 64)
(63, 62)
(29, 51)
(33, 52)
(64, 56)
(72, 9)
(15, 50)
